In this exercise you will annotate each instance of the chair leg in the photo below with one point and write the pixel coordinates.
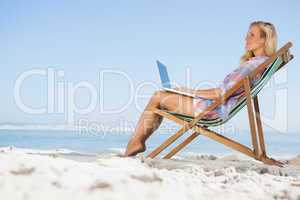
(181, 145)
(225, 141)
(171, 139)
(166, 143)
(271, 161)
(263, 154)
(251, 116)
(216, 137)
(259, 127)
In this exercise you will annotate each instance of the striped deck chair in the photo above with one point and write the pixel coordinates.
(200, 126)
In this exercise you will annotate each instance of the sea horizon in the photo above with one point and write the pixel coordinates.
(282, 145)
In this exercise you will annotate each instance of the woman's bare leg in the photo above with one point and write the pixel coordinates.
(150, 121)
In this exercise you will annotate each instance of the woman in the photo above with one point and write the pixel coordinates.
(261, 42)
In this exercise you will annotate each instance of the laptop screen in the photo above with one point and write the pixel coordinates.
(164, 77)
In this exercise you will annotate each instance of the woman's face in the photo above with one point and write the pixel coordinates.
(253, 39)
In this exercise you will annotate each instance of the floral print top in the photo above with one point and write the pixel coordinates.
(222, 111)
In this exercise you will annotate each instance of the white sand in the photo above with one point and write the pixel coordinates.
(42, 175)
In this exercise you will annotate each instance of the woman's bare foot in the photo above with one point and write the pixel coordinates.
(134, 147)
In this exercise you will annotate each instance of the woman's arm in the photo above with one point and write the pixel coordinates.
(212, 93)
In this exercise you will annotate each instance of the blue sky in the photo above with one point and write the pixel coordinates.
(83, 38)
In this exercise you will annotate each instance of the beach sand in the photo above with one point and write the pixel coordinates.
(27, 174)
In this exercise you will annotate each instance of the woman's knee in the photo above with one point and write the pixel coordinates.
(157, 95)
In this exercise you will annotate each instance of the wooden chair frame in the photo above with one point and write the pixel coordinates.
(257, 136)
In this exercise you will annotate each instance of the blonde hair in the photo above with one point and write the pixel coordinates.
(267, 31)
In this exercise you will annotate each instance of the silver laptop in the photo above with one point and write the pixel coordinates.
(165, 80)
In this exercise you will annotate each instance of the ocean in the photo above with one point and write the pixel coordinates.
(282, 145)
